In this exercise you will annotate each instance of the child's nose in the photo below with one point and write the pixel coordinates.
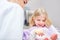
(41, 22)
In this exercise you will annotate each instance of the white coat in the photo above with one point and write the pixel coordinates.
(11, 21)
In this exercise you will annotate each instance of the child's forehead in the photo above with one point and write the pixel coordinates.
(41, 16)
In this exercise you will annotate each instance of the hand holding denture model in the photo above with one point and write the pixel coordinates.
(41, 35)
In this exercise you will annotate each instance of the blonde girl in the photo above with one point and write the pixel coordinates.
(39, 20)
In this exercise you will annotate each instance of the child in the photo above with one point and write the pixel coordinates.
(41, 27)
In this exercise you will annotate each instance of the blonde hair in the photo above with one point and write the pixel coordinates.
(39, 12)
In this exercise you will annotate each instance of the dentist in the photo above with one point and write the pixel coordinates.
(11, 19)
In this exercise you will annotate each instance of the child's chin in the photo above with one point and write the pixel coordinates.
(41, 25)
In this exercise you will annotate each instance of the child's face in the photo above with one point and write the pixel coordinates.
(40, 20)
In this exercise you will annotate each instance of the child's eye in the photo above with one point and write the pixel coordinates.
(43, 20)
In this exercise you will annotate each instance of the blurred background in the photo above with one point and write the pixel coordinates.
(51, 6)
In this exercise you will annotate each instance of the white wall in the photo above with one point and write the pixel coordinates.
(52, 7)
